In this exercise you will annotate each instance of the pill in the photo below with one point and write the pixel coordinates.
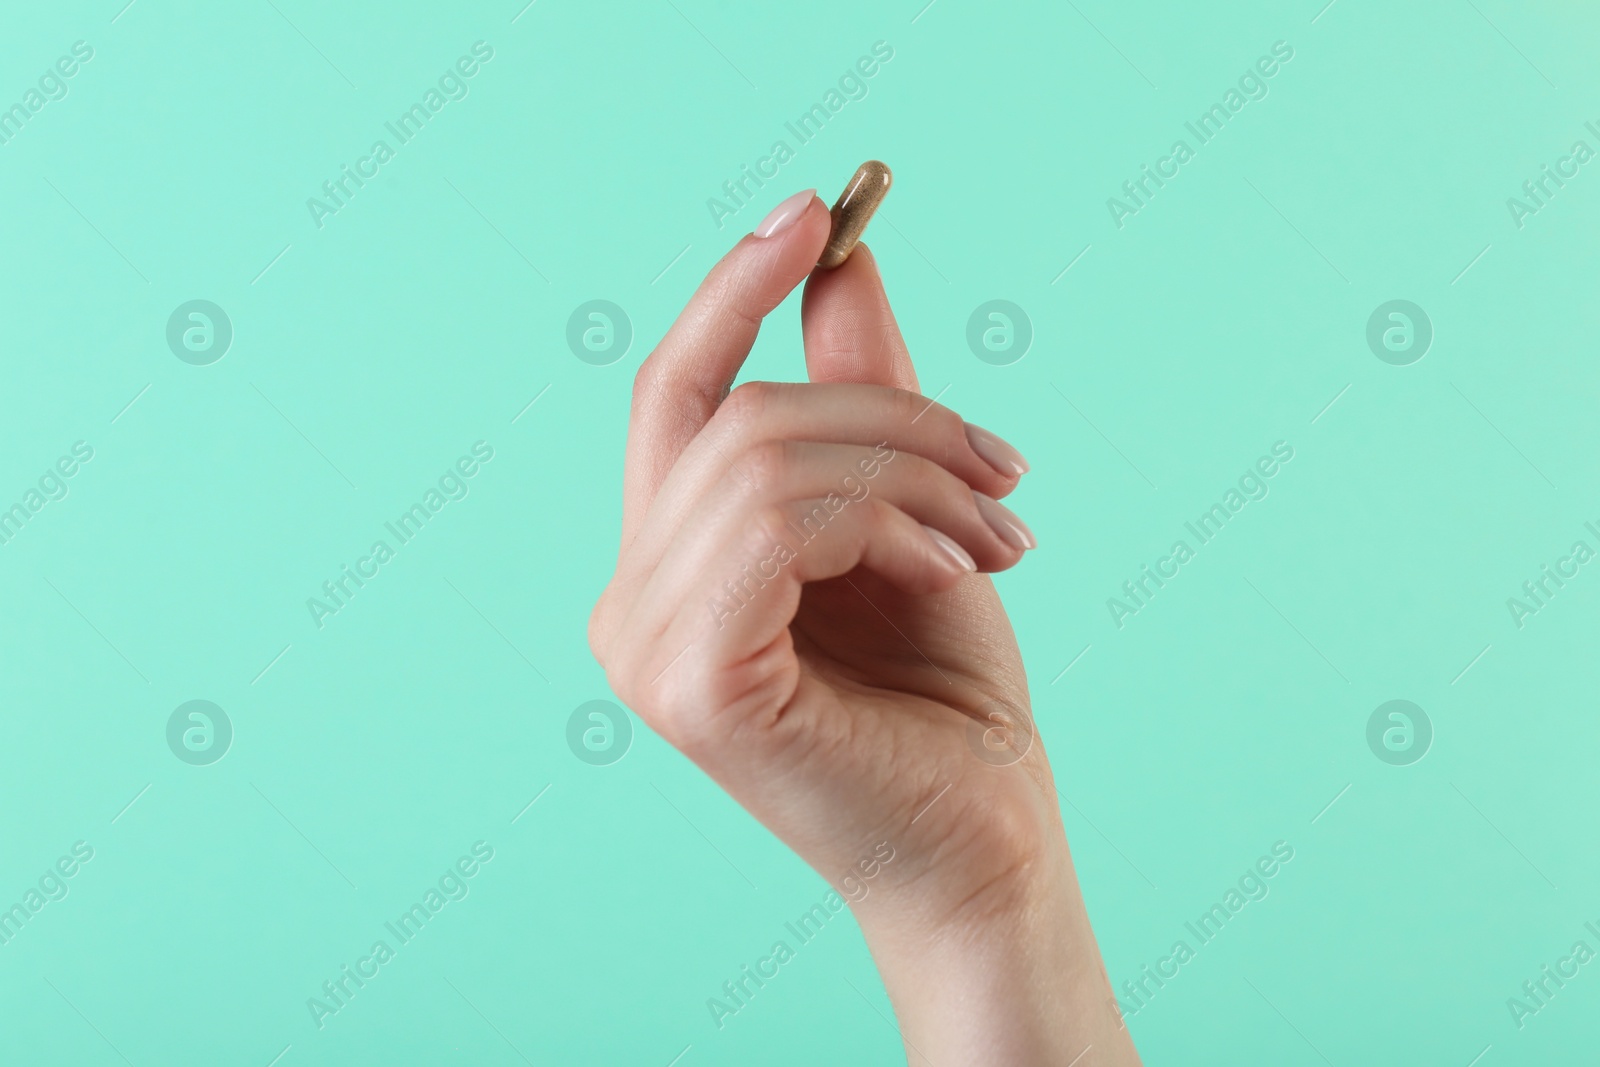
(854, 209)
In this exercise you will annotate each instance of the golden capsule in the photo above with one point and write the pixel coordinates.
(853, 210)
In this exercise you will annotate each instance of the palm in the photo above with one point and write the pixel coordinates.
(861, 627)
(892, 690)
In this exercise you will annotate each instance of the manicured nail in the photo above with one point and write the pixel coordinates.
(995, 452)
(1012, 530)
(951, 549)
(784, 214)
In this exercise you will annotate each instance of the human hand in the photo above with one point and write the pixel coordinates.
(797, 608)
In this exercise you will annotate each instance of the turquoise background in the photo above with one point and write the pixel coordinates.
(369, 354)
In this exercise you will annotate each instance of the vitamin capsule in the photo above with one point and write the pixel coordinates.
(854, 209)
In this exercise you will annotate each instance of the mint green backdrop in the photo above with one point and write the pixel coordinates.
(1176, 339)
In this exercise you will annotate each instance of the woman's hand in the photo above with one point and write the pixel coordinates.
(796, 608)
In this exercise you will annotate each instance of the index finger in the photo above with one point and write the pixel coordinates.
(678, 388)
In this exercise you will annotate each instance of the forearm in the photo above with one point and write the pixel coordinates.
(1020, 985)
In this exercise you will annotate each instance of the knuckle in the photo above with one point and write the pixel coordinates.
(941, 427)
(647, 380)
(598, 630)
(879, 514)
(634, 674)
(679, 721)
(619, 675)
(623, 682)
(952, 426)
(906, 405)
(769, 524)
(741, 312)
(950, 431)
(765, 465)
(747, 401)
(922, 474)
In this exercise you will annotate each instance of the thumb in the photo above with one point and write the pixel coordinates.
(850, 331)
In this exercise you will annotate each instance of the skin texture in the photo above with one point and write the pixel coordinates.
(843, 694)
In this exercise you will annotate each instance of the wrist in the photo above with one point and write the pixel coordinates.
(1011, 977)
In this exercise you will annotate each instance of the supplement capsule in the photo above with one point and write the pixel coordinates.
(854, 209)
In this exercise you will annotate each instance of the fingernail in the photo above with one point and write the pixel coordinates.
(1012, 530)
(784, 214)
(951, 549)
(995, 452)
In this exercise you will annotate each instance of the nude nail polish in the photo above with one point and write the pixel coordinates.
(1010, 529)
(951, 549)
(996, 452)
(784, 215)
